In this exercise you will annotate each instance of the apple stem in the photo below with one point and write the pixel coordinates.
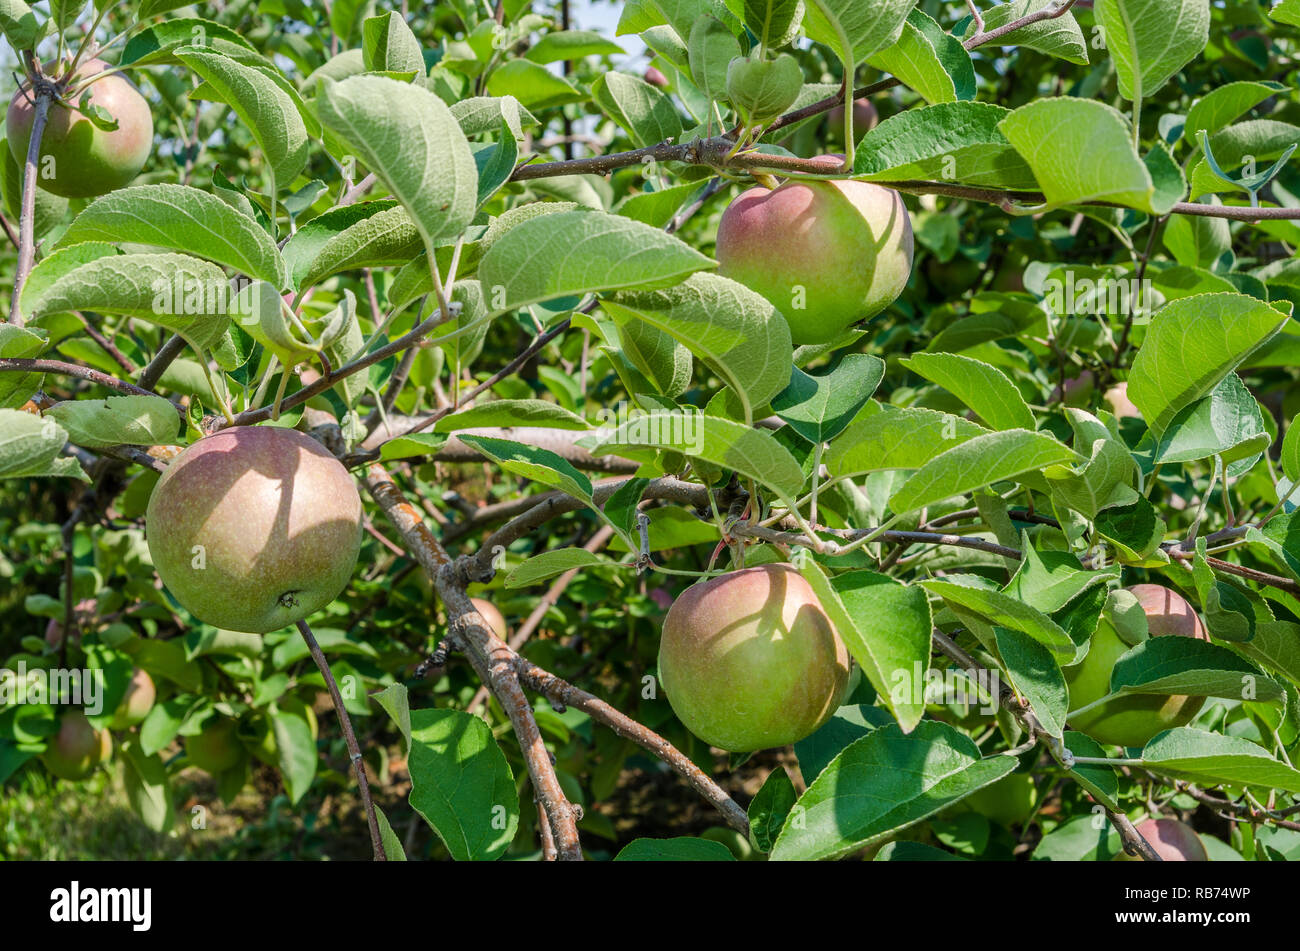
(349, 737)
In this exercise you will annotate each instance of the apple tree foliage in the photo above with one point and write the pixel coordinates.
(471, 250)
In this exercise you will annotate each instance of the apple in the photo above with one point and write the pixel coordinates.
(492, 614)
(136, 702)
(1117, 401)
(1135, 719)
(85, 160)
(1172, 840)
(77, 748)
(83, 613)
(826, 254)
(1009, 801)
(749, 660)
(216, 748)
(865, 118)
(1078, 390)
(655, 77)
(254, 528)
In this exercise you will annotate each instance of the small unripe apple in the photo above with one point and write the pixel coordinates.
(1117, 401)
(1134, 719)
(216, 748)
(749, 660)
(1009, 801)
(826, 254)
(136, 702)
(655, 77)
(84, 160)
(254, 528)
(77, 748)
(1172, 840)
(83, 614)
(865, 117)
(492, 614)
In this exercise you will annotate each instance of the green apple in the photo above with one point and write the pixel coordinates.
(826, 254)
(79, 159)
(254, 528)
(1009, 801)
(749, 660)
(216, 748)
(77, 748)
(136, 702)
(1172, 840)
(1132, 720)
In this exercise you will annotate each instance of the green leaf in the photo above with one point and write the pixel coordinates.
(511, 413)
(679, 849)
(734, 330)
(550, 564)
(148, 788)
(129, 420)
(157, 44)
(388, 45)
(535, 86)
(1049, 580)
(958, 141)
(571, 45)
(711, 48)
(408, 137)
(480, 114)
(580, 252)
(1222, 104)
(754, 453)
(31, 446)
(1091, 157)
(19, 343)
(1227, 423)
(1190, 346)
(393, 850)
(295, 752)
(885, 782)
(539, 465)
(1100, 781)
(364, 234)
(770, 807)
(977, 463)
(819, 407)
(182, 219)
(894, 438)
(270, 112)
(175, 291)
(971, 595)
(1058, 36)
(1192, 667)
(632, 103)
(886, 626)
(853, 29)
(1135, 529)
(929, 61)
(847, 725)
(1151, 40)
(19, 24)
(461, 784)
(774, 22)
(984, 388)
(1286, 11)
(1212, 759)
